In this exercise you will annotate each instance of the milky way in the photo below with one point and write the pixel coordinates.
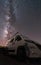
(28, 18)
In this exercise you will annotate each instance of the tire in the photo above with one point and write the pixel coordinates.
(5, 51)
(21, 53)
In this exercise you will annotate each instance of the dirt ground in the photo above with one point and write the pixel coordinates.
(13, 60)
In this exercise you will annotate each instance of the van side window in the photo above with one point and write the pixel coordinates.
(11, 40)
(18, 38)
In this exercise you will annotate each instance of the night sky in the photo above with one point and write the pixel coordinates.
(28, 18)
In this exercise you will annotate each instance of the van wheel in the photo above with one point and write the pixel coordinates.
(5, 52)
(21, 53)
